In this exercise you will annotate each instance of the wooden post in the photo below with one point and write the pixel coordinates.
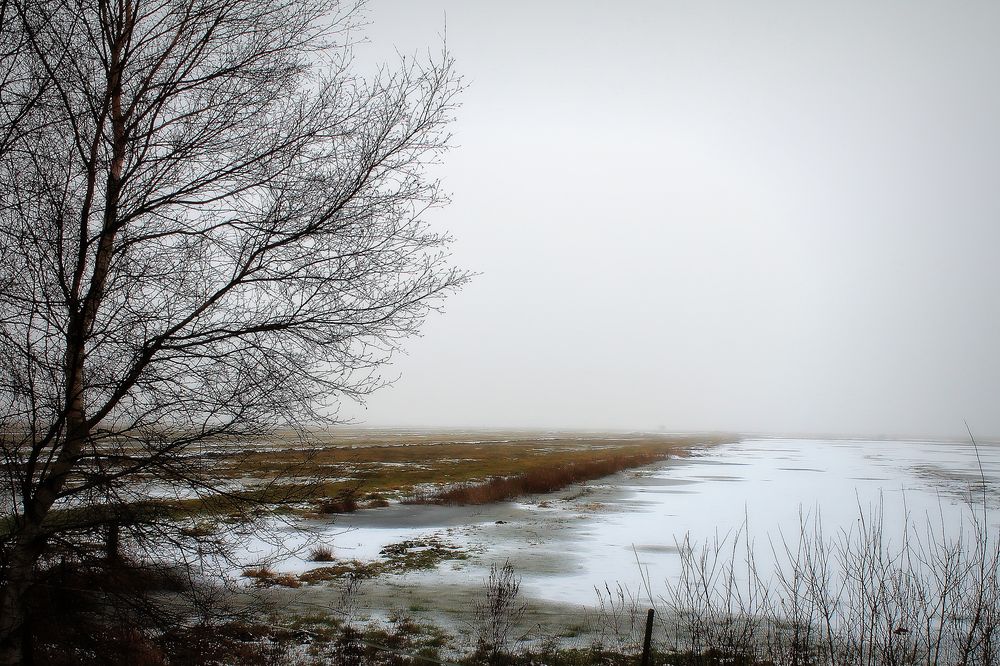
(648, 639)
(112, 541)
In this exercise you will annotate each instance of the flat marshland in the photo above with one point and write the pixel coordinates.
(778, 550)
(771, 548)
(343, 471)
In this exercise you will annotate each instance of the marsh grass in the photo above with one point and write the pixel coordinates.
(320, 476)
(321, 553)
(401, 557)
(394, 466)
(343, 570)
(869, 596)
(259, 572)
(538, 480)
(264, 576)
(340, 504)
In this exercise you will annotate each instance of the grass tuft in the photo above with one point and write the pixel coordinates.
(321, 554)
(342, 504)
(259, 572)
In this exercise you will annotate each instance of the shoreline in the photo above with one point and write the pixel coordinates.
(588, 535)
(535, 527)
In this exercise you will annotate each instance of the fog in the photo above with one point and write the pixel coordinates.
(773, 216)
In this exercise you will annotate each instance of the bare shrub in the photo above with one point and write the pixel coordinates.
(351, 592)
(713, 611)
(348, 648)
(859, 598)
(619, 622)
(498, 613)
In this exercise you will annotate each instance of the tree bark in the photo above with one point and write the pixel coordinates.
(15, 640)
(14, 630)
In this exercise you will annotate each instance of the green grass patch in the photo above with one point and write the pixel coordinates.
(399, 557)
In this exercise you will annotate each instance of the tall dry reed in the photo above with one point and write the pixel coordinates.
(536, 481)
(859, 598)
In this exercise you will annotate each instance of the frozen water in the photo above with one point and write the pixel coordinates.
(629, 525)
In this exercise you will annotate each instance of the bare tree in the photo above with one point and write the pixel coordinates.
(210, 228)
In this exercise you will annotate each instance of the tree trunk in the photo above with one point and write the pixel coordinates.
(15, 638)
(14, 630)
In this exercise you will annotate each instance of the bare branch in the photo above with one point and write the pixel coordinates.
(210, 228)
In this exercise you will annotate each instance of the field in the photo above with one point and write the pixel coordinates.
(346, 470)
(565, 575)
(306, 482)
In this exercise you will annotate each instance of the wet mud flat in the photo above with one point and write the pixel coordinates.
(540, 536)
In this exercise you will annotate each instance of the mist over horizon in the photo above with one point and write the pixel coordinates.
(345, 427)
(776, 218)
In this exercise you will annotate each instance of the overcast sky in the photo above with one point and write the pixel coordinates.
(755, 216)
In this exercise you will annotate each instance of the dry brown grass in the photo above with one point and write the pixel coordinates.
(265, 576)
(539, 480)
(334, 474)
(340, 504)
(321, 553)
(259, 572)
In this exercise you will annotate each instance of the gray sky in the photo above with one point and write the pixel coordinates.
(757, 216)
